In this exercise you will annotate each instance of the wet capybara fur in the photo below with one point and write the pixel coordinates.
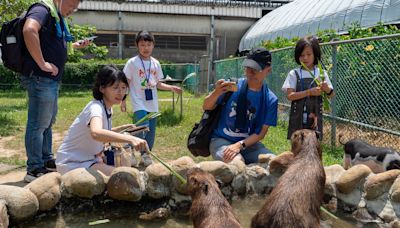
(280, 163)
(209, 206)
(296, 199)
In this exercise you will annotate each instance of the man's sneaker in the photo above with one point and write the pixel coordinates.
(50, 165)
(32, 175)
(146, 160)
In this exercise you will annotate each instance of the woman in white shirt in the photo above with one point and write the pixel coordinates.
(84, 143)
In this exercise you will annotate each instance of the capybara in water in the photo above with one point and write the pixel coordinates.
(209, 207)
(296, 199)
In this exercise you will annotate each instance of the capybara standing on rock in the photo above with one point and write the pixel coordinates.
(296, 199)
(209, 206)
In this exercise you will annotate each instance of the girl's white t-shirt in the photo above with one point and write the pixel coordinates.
(142, 75)
(78, 149)
(291, 79)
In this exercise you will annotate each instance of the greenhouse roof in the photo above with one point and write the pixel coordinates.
(302, 17)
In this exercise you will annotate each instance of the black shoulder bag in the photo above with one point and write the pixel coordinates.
(199, 138)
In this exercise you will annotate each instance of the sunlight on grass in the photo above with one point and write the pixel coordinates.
(171, 132)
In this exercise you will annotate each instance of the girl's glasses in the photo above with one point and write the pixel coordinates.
(120, 90)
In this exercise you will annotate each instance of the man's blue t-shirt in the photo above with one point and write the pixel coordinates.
(54, 49)
(226, 124)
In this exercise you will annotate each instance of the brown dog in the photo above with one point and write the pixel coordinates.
(296, 199)
(209, 207)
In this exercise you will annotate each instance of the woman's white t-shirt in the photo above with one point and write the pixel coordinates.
(78, 149)
(138, 71)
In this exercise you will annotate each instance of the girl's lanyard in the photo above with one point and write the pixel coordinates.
(302, 85)
(108, 115)
(145, 71)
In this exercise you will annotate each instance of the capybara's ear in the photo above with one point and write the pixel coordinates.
(193, 181)
(204, 187)
(302, 136)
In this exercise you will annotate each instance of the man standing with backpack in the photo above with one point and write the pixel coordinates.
(48, 40)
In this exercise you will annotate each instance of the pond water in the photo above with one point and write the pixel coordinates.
(125, 214)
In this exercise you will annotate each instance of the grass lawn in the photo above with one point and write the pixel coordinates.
(171, 133)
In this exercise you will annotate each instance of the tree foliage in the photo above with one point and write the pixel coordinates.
(355, 31)
(10, 9)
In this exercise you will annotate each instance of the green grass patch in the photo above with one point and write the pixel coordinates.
(171, 132)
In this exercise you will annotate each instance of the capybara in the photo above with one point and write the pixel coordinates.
(296, 199)
(209, 207)
(379, 159)
(280, 163)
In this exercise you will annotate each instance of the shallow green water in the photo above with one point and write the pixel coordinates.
(123, 215)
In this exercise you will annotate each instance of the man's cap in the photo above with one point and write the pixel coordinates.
(258, 58)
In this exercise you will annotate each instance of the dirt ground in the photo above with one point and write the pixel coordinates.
(14, 175)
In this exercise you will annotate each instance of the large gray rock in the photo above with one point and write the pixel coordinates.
(159, 181)
(3, 214)
(380, 183)
(22, 204)
(239, 184)
(260, 181)
(125, 183)
(85, 183)
(395, 190)
(181, 166)
(219, 169)
(47, 190)
(352, 178)
(332, 173)
(237, 166)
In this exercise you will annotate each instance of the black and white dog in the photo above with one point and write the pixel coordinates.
(379, 159)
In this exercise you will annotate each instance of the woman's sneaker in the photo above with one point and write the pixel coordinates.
(32, 175)
(146, 160)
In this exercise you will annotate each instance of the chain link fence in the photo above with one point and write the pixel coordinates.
(366, 76)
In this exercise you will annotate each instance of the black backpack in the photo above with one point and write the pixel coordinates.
(199, 138)
(12, 42)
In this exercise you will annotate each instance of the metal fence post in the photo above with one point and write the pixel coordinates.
(333, 101)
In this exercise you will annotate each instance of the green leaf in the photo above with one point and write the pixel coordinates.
(102, 221)
(177, 175)
(147, 117)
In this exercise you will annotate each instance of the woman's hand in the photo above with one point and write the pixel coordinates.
(139, 144)
(231, 151)
(325, 87)
(315, 91)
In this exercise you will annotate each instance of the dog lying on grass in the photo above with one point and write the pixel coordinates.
(378, 159)
(296, 199)
(209, 206)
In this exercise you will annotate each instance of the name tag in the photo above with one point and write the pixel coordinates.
(11, 40)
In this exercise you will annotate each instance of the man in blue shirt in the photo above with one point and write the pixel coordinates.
(47, 39)
(247, 114)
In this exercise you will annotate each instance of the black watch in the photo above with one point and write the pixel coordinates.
(242, 145)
